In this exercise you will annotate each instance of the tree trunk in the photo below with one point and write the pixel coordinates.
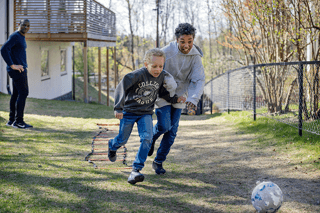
(209, 30)
(131, 34)
(287, 102)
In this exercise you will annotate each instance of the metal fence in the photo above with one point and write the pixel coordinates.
(287, 92)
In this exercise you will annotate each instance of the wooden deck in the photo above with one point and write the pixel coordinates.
(66, 20)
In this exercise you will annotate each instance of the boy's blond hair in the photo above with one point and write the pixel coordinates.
(153, 52)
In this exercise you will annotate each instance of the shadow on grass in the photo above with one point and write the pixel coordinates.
(88, 198)
(51, 193)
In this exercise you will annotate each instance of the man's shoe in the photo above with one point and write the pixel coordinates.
(151, 149)
(135, 177)
(9, 123)
(112, 155)
(21, 125)
(157, 167)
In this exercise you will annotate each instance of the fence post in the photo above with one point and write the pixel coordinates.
(211, 101)
(228, 79)
(254, 94)
(300, 79)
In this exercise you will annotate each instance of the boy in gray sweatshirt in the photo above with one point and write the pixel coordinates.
(183, 62)
(135, 96)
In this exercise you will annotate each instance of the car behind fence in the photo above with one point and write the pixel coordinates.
(287, 92)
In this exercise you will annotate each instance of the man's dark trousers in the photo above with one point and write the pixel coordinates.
(19, 95)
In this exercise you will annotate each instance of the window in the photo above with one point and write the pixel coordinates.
(44, 62)
(63, 60)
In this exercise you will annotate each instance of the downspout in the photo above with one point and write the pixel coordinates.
(8, 23)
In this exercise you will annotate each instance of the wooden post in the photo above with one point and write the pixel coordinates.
(108, 83)
(85, 73)
(99, 74)
(49, 18)
(85, 30)
(115, 67)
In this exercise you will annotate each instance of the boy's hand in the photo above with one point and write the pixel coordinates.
(118, 115)
(191, 106)
(17, 67)
(181, 99)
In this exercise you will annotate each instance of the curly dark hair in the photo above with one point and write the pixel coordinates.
(185, 29)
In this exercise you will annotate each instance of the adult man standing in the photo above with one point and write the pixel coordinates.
(183, 62)
(14, 54)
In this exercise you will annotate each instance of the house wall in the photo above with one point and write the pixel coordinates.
(3, 38)
(57, 83)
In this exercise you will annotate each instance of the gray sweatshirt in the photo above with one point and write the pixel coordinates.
(188, 72)
(138, 91)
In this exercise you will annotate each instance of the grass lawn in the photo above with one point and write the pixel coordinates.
(272, 133)
(43, 169)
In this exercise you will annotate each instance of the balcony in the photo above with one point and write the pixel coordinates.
(66, 20)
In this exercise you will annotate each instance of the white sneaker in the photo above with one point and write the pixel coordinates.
(135, 176)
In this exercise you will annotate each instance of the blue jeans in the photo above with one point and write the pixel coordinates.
(168, 123)
(19, 95)
(144, 123)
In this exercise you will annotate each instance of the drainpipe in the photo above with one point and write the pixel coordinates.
(8, 23)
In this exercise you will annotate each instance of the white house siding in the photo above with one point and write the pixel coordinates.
(3, 38)
(58, 84)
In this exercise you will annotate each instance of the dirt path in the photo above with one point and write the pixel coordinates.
(230, 159)
(234, 162)
(227, 162)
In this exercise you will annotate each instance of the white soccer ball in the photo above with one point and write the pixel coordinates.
(267, 197)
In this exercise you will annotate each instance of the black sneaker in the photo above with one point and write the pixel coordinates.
(157, 167)
(135, 176)
(151, 149)
(21, 125)
(112, 155)
(9, 123)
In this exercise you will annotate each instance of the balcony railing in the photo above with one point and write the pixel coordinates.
(78, 18)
